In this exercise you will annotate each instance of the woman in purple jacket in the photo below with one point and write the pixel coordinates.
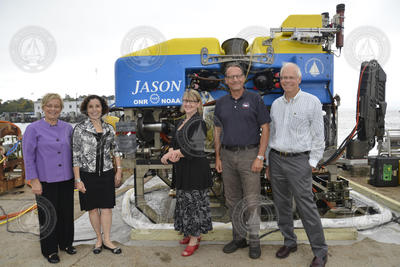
(48, 165)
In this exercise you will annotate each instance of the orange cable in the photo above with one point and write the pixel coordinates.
(358, 101)
(11, 215)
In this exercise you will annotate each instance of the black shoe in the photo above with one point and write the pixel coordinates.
(70, 250)
(97, 250)
(234, 245)
(254, 252)
(53, 258)
(255, 249)
(115, 250)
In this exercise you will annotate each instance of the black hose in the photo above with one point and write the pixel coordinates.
(270, 232)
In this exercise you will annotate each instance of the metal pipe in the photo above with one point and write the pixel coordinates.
(339, 34)
(153, 127)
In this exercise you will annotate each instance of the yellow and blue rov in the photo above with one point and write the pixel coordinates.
(150, 83)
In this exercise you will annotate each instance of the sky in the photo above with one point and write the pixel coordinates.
(85, 37)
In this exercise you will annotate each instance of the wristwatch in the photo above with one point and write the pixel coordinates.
(260, 157)
(78, 180)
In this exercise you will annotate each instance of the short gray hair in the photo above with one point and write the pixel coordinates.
(287, 64)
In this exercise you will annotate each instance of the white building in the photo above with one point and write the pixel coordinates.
(71, 108)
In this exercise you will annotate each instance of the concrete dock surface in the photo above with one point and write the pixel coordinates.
(17, 251)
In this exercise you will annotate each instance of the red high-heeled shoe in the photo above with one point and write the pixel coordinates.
(186, 240)
(189, 250)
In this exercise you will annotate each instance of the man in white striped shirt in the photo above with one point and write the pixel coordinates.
(296, 144)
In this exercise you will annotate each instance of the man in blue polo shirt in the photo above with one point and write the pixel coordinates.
(241, 138)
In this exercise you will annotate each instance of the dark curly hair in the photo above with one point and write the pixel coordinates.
(85, 102)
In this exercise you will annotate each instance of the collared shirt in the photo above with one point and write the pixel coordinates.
(297, 126)
(92, 152)
(47, 151)
(241, 119)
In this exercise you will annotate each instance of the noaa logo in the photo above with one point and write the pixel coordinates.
(252, 32)
(154, 98)
(366, 43)
(314, 67)
(33, 49)
(149, 48)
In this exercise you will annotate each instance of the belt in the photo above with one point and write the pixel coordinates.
(237, 148)
(288, 154)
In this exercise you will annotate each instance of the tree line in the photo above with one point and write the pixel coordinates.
(19, 105)
(27, 105)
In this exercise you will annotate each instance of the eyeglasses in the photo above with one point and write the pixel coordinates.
(189, 101)
(232, 77)
(288, 78)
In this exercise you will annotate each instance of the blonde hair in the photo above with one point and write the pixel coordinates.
(193, 95)
(50, 96)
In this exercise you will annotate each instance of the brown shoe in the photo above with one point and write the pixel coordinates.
(284, 251)
(319, 262)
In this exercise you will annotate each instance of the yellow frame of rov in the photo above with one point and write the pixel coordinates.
(280, 43)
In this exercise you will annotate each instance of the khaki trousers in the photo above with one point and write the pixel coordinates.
(242, 191)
